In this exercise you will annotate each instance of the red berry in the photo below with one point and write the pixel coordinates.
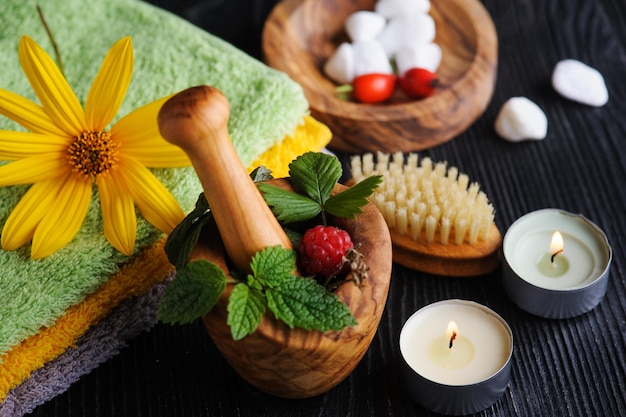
(373, 88)
(322, 249)
(418, 82)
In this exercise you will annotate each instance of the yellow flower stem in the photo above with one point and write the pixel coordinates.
(57, 55)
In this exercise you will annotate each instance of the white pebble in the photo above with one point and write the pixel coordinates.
(407, 30)
(520, 119)
(579, 82)
(420, 55)
(364, 25)
(369, 58)
(395, 8)
(340, 66)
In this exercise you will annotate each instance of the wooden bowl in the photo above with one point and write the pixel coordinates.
(300, 35)
(295, 363)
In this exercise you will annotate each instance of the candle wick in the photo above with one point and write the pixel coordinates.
(555, 253)
(452, 340)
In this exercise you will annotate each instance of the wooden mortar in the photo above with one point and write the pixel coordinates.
(288, 363)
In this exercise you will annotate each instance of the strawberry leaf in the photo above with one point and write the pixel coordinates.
(316, 174)
(289, 207)
(302, 302)
(196, 289)
(348, 203)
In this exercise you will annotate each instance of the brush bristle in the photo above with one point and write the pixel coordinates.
(426, 200)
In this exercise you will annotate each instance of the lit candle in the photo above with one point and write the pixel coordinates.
(456, 356)
(556, 263)
(451, 350)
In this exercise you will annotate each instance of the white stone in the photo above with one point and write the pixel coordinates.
(420, 55)
(340, 66)
(407, 30)
(370, 58)
(520, 119)
(395, 8)
(579, 82)
(364, 25)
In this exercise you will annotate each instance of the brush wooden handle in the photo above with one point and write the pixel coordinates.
(464, 260)
(196, 120)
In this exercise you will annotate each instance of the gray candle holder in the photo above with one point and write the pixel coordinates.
(464, 399)
(557, 303)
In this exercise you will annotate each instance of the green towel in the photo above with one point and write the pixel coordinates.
(170, 55)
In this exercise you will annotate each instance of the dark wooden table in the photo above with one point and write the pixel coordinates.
(574, 367)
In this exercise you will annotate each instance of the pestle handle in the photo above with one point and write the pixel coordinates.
(196, 120)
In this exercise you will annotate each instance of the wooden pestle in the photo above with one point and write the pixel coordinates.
(196, 120)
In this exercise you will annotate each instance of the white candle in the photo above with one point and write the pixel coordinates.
(556, 264)
(480, 348)
(529, 254)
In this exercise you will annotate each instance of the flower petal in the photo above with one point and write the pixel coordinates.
(118, 213)
(18, 145)
(28, 114)
(154, 201)
(55, 94)
(21, 223)
(34, 169)
(63, 218)
(139, 132)
(110, 85)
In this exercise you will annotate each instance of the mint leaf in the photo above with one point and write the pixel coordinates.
(273, 264)
(287, 206)
(302, 302)
(183, 238)
(193, 293)
(348, 203)
(245, 310)
(316, 174)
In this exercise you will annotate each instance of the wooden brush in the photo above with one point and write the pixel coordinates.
(439, 222)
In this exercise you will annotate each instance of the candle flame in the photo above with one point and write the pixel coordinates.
(556, 245)
(451, 333)
(452, 329)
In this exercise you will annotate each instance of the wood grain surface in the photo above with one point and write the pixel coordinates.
(574, 367)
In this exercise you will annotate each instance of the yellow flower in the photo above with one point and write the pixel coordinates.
(68, 150)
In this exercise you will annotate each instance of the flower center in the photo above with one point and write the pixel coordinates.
(92, 153)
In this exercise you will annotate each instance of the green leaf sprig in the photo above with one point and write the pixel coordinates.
(315, 175)
(196, 289)
(297, 301)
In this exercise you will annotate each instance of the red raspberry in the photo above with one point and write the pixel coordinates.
(322, 250)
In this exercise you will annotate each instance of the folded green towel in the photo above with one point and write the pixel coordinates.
(170, 55)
